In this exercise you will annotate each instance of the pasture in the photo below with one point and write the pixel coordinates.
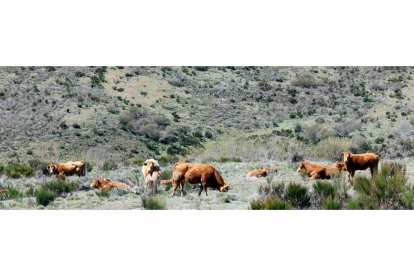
(243, 189)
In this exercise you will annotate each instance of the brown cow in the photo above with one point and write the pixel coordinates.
(363, 161)
(67, 169)
(105, 183)
(205, 174)
(314, 171)
(333, 171)
(261, 172)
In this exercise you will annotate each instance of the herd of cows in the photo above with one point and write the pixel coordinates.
(209, 177)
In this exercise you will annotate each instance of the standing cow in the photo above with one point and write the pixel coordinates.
(363, 161)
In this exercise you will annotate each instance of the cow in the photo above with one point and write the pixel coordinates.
(332, 171)
(152, 174)
(313, 170)
(105, 183)
(205, 174)
(153, 180)
(149, 166)
(61, 170)
(261, 172)
(363, 161)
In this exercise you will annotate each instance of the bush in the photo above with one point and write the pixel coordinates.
(331, 204)
(88, 166)
(298, 196)
(384, 189)
(103, 193)
(323, 191)
(109, 165)
(166, 160)
(153, 203)
(10, 193)
(270, 204)
(229, 159)
(166, 174)
(44, 196)
(16, 170)
(61, 187)
(407, 198)
(1, 169)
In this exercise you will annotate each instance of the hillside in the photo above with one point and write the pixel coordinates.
(127, 114)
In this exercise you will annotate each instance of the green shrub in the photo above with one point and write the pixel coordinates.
(331, 204)
(109, 165)
(229, 159)
(270, 204)
(359, 203)
(153, 203)
(384, 189)
(166, 174)
(324, 189)
(298, 196)
(10, 193)
(16, 170)
(1, 168)
(103, 192)
(407, 198)
(44, 196)
(88, 166)
(61, 187)
(30, 192)
(166, 160)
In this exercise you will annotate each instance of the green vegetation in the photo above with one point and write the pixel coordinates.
(109, 165)
(103, 192)
(49, 191)
(153, 203)
(17, 170)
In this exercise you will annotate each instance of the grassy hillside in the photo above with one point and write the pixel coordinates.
(127, 114)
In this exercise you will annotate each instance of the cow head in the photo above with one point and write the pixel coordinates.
(224, 188)
(340, 165)
(301, 166)
(95, 183)
(347, 156)
(152, 165)
(52, 168)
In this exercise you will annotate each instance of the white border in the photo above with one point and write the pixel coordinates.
(161, 32)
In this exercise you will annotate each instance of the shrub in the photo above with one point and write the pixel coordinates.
(103, 193)
(30, 192)
(384, 189)
(10, 193)
(88, 166)
(166, 174)
(270, 204)
(153, 203)
(109, 165)
(16, 170)
(322, 191)
(61, 187)
(229, 159)
(298, 196)
(331, 204)
(165, 160)
(407, 198)
(44, 196)
(1, 168)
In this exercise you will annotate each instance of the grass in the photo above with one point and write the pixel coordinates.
(55, 188)
(153, 203)
(270, 204)
(10, 193)
(17, 170)
(103, 193)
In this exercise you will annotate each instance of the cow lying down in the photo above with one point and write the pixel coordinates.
(105, 183)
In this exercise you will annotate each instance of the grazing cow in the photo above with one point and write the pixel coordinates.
(105, 183)
(153, 180)
(314, 171)
(61, 170)
(261, 172)
(363, 161)
(205, 174)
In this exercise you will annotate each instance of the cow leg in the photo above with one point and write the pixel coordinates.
(182, 188)
(175, 186)
(201, 189)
